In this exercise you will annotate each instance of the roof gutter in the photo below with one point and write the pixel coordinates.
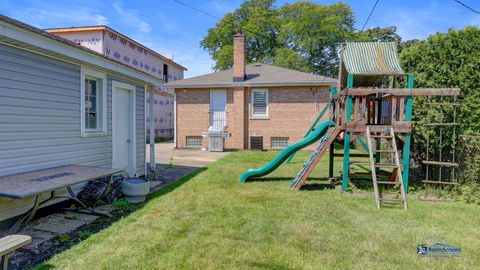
(246, 84)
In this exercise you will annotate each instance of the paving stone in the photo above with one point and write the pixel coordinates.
(38, 237)
(80, 216)
(60, 225)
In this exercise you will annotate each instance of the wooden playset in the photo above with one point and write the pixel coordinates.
(368, 104)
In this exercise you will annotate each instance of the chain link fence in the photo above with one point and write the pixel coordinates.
(468, 159)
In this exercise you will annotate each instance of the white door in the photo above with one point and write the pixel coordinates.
(123, 123)
(218, 105)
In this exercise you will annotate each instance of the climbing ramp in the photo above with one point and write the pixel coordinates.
(322, 147)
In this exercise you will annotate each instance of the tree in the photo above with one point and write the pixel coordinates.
(314, 31)
(451, 59)
(387, 34)
(259, 21)
(302, 36)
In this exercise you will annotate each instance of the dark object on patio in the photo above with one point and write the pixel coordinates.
(93, 191)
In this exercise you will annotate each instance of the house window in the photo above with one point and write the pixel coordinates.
(93, 103)
(259, 103)
(194, 142)
(278, 142)
(256, 142)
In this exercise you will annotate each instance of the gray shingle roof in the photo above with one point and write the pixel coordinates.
(257, 75)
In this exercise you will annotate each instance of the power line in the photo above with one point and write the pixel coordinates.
(218, 18)
(467, 7)
(197, 10)
(369, 15)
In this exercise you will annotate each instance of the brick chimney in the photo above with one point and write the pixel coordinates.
(239, 56)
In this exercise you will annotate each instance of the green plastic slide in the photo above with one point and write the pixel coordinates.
(320, 130)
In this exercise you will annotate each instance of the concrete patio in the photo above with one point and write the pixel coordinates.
(172, 164)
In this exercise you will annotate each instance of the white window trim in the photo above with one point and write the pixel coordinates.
(259, 116)
(100, 131)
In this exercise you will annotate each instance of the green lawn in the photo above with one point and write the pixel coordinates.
(211, 221)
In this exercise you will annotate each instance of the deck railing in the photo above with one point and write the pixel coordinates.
(381, 107)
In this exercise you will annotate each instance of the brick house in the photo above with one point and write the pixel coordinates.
(260, 105)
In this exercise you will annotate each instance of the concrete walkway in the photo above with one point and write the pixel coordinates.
(172, 164)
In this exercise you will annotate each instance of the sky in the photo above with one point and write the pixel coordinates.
(173, 29)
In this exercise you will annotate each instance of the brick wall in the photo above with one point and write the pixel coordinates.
(193, 115)
(291, 112)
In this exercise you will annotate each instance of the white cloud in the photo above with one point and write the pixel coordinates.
(132, 18)
(45, 18)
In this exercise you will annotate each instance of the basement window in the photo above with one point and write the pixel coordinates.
(260, 103)
(194, 142)
(278, 143)
(93, 103)
(256, 142)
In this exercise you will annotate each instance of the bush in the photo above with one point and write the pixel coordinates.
(447, 60)
(469, 193)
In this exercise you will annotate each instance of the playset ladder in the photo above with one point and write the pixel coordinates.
(322, 147)
(390, 135)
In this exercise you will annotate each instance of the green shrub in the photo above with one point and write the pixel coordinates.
(469, 193)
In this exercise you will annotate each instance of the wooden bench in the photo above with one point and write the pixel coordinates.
(9, 244)
(33, 184)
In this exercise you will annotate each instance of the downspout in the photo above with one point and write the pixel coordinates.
(152, 128)
(145, 127)
(175, 118)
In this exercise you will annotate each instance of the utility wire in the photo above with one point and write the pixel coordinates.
(369, 15)
(467, 7)
(218, 18)
(197, 10)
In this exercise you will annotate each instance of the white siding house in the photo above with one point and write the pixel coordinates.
(56, 102)
(119, 47)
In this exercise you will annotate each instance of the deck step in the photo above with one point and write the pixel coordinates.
(384, 151)
(385, 165)
(381, 136)
(359, 163)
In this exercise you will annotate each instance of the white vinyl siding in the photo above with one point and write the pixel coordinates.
(260, 103)
(40, 120)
